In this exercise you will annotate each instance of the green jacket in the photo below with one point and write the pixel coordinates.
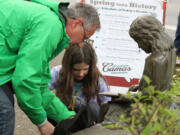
(31, 34)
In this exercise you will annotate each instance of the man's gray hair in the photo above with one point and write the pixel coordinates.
(87, 13)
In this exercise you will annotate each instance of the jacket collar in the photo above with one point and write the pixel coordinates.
(55, 6)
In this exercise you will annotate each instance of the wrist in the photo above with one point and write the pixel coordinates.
(43, 123)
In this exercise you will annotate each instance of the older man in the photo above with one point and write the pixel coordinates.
(32, 34)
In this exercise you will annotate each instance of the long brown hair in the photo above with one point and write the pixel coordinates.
(65, 83)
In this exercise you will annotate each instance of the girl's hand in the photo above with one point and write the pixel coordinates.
(134, 88)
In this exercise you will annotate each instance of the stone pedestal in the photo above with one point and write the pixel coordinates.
(99, 130)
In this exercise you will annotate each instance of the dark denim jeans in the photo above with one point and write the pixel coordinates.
(177, 38)
(7, 114)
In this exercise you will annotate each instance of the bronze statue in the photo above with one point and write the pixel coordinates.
(150, 36)
(148, 32)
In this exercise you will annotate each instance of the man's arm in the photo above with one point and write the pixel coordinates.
(31, 75)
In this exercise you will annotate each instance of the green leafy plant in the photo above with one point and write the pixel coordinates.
(152, 113)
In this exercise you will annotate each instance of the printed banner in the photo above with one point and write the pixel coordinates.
(119, 58)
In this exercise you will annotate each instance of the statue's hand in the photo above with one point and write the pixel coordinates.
(134, 88)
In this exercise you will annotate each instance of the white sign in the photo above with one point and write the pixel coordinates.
(119, 58)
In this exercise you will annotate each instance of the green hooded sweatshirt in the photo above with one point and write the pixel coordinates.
(31, 34)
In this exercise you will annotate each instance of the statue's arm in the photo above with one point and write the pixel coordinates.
(147, 72)
(155, 70)
(142, 84)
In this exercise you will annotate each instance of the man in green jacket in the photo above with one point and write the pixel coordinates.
(31, 35)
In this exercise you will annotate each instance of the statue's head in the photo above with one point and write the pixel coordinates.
(146, 30)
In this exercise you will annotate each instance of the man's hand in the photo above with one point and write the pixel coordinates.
(47, 129)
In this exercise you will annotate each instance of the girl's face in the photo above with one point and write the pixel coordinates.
(80, 71)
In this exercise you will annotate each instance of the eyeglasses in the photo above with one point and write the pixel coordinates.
(85, 38)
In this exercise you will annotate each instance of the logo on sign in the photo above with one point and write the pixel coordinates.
(115, 69)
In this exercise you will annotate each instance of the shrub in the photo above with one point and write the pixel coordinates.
(153, 113)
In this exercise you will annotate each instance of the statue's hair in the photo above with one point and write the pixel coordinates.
(150, 31)
(86, 12)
